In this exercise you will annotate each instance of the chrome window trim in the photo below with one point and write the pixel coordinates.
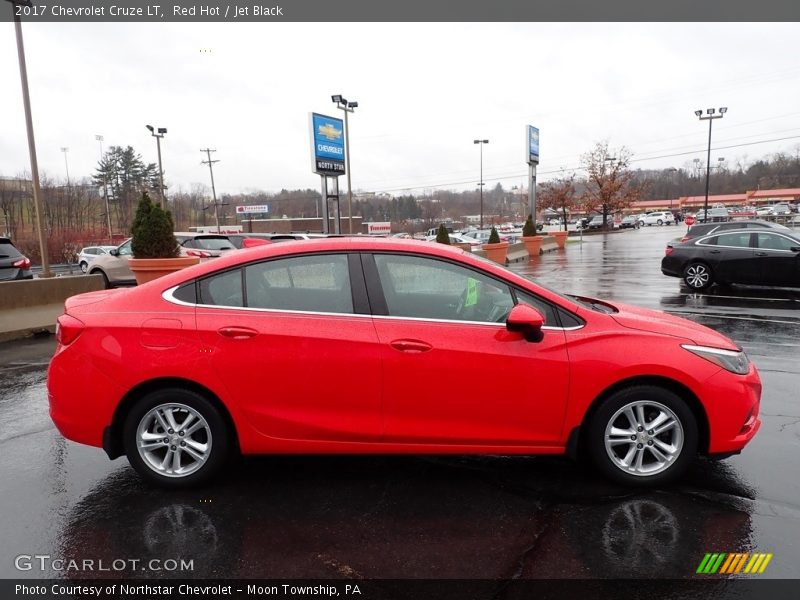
(169, 297)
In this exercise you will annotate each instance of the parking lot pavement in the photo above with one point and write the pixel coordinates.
(429, 517)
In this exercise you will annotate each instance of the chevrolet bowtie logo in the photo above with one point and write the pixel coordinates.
(330, 132)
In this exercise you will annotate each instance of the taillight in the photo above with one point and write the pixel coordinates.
(668, 250)
(23, 263)
(198, 253)
(68, 328)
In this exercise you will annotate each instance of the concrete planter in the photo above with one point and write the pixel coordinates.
(533, 244)
(561, 238)
(148, 269)
(496, 252)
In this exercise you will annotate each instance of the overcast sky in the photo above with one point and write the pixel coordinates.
(425, 91)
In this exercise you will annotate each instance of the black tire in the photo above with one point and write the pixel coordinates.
(214, 435)
(698, 276)
(84, 266)
(654, 396)
(660, 222)
(106, 282)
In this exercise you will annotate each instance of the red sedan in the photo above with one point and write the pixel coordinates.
(349, 345)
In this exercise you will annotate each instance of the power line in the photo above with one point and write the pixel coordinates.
(578, 168)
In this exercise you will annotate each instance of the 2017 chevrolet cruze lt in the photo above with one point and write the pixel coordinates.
(345, 345)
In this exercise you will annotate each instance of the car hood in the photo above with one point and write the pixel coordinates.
(655, 321)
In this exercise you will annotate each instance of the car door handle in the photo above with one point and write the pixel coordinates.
(237, 333)
(714, 251)
(411, 346)
(761, 254)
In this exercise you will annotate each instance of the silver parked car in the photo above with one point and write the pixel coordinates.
(88, 254)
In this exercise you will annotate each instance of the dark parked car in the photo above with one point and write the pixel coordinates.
(13, 265)
(701, 229)
(749, 256)
(597, 222)
(630, 222)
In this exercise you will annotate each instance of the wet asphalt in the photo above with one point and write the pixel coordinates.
(428, 517)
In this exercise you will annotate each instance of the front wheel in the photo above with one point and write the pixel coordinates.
(698, 276)
(84, 267)
(660, 222)
(643, 435)
(176, 438)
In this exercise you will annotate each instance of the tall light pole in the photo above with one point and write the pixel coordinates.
(100, 138)
(343, 105)
(26, 101)
(481, 142)
(64, 149)
(158, 136)
(710, 116)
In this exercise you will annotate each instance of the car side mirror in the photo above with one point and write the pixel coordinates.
(526, 320)
(114, 252)
(795, 248)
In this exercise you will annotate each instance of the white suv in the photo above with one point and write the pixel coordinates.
(658, 218)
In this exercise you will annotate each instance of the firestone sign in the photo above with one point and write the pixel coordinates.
(327, 145)
(252, 208)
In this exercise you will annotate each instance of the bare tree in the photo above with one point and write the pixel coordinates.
(611, 186)
(559, 194)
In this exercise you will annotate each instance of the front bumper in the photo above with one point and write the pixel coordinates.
(732, 404)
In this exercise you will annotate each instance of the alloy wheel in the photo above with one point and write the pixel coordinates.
(173, 440)
(697, 276)
(644, 438)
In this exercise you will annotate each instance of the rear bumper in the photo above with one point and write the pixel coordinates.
(671, 267)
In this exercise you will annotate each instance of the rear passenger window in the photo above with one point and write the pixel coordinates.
(224, 289)
(734, 240)
(319, 283)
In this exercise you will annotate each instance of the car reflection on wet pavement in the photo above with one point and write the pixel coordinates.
(428, 517)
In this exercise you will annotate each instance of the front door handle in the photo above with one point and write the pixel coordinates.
(714, 251)
(761, 254)
(237, 333)
(411, 346)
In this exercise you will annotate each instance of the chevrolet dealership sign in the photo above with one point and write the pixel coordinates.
(327, 145)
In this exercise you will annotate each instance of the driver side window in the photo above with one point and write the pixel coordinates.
(426, 288)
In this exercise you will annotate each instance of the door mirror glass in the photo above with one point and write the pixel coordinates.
(114, 252)
(526, 320)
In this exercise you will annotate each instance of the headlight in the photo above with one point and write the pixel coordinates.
(730, 360)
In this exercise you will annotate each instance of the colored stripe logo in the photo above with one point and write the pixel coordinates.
(734, 563)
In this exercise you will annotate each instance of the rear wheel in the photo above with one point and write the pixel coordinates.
(660, 222)
(698, 276)
(643, 435)
(106, 282)
(176, 438)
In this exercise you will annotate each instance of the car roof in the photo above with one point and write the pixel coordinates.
(784, 232)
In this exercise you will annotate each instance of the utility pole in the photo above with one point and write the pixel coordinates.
(210, 162)
(26, 102)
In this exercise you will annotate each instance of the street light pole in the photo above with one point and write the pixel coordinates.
(100, 138)
(710, 116)
(158, 136)
(480, 185)
(64, 149)
(26, 101)
(347, 107)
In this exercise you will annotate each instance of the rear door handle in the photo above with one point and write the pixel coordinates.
(761, 254)
(237, 333)
(714, 251)
(411, 346)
